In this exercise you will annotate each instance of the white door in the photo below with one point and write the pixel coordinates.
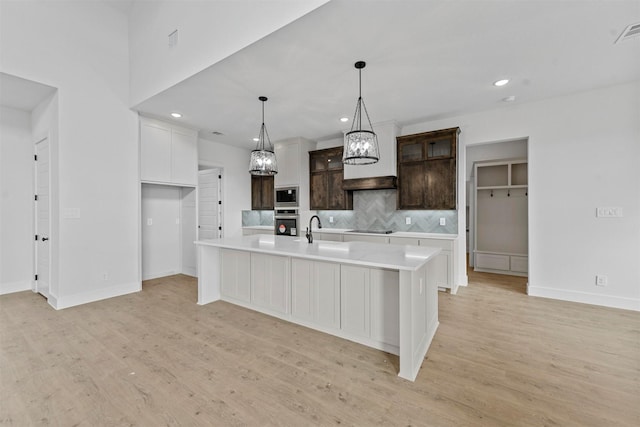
(210, 204)
(42, 249)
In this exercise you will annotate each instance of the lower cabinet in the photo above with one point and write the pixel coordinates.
(503, 263)
(370, 303)
(355, 294)
(315, 292)
(235, 276)
(442, 264)
(270, 287)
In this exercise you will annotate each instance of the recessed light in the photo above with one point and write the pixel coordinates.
(509, 98)
(176, 115)
(501, 82)
(256, 139)
(344, 119)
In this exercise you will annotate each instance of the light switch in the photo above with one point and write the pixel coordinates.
(331, 220)
(407, 220)
(443, 221)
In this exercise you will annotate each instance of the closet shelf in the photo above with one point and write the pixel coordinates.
(502, 187)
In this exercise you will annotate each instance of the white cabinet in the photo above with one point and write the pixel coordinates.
(288, 158)
(404, 241)
(370, 304)
(355, 305)
(235, 277)
(351, 237)
(293, 167)
(315, 292)
(168, 154)
(270, 282)
(443, 262)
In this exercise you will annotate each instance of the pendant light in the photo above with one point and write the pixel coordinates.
(360, 145)
(263, 158)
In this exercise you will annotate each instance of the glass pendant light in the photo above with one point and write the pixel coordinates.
(263, 158)
(360, 145)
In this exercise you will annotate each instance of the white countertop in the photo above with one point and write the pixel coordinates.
(396, 257)
(412, 234)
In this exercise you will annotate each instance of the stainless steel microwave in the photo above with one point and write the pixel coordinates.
(287, 197)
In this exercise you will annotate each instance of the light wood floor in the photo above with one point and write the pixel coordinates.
(156, 358)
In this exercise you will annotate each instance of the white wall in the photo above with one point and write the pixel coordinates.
(236, 181)
(583, 153)
(16, 200)
(82, 49)
(495, 150)
(207, 33)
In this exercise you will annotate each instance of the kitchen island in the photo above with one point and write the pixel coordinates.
(380, 295)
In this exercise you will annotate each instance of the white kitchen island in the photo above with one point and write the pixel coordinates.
(380, 295)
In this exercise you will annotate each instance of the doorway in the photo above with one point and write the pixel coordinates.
(497, 207)
(42, 217)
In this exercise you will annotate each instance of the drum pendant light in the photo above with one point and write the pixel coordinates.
(263, 158)
(360, 145)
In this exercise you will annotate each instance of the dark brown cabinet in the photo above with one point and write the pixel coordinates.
(427, 170)
(326, 176)
(262, 192)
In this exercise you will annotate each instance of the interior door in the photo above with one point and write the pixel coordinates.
(210, 204)
(42, 249)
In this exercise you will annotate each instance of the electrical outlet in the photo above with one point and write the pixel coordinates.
(105, 276)
(149, 221)
(443, 221)
(407, 220)
(601, 280)
(330, 220)
(609, 212)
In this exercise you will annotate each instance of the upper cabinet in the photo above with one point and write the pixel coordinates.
(326, 173)
(427, 170)
(262, 194)
(293, 167)
(168, 154)
(386, 166)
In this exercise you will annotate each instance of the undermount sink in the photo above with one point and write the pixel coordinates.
(326, 245)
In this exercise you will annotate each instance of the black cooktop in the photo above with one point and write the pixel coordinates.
(371, 231)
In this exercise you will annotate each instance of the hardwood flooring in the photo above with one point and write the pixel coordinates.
(156, 358)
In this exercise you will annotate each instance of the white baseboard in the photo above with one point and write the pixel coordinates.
(150, 276)
(96, 295)
(584, 297)
(11, 287)
(190, 271)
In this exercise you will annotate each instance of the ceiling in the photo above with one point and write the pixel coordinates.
(22, 94)
(425, 60)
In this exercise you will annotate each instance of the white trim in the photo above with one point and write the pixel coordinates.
(97, 295)
(585, 297)
(11, 287)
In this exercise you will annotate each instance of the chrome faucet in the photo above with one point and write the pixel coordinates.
(309, 234)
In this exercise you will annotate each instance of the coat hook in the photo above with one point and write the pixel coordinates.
(491, 193)
(508, 193)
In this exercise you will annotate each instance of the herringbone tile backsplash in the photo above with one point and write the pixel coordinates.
(373, 210)
(376, 210)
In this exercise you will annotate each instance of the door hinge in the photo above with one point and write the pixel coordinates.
(219, 202)
(36, 237)
(219, 176)
(219, 228)
(35, 197)
(35, 157)
(36, 277)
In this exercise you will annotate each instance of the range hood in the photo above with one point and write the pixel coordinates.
(372, 183)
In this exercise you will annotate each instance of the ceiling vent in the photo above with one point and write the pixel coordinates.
(630, 32)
